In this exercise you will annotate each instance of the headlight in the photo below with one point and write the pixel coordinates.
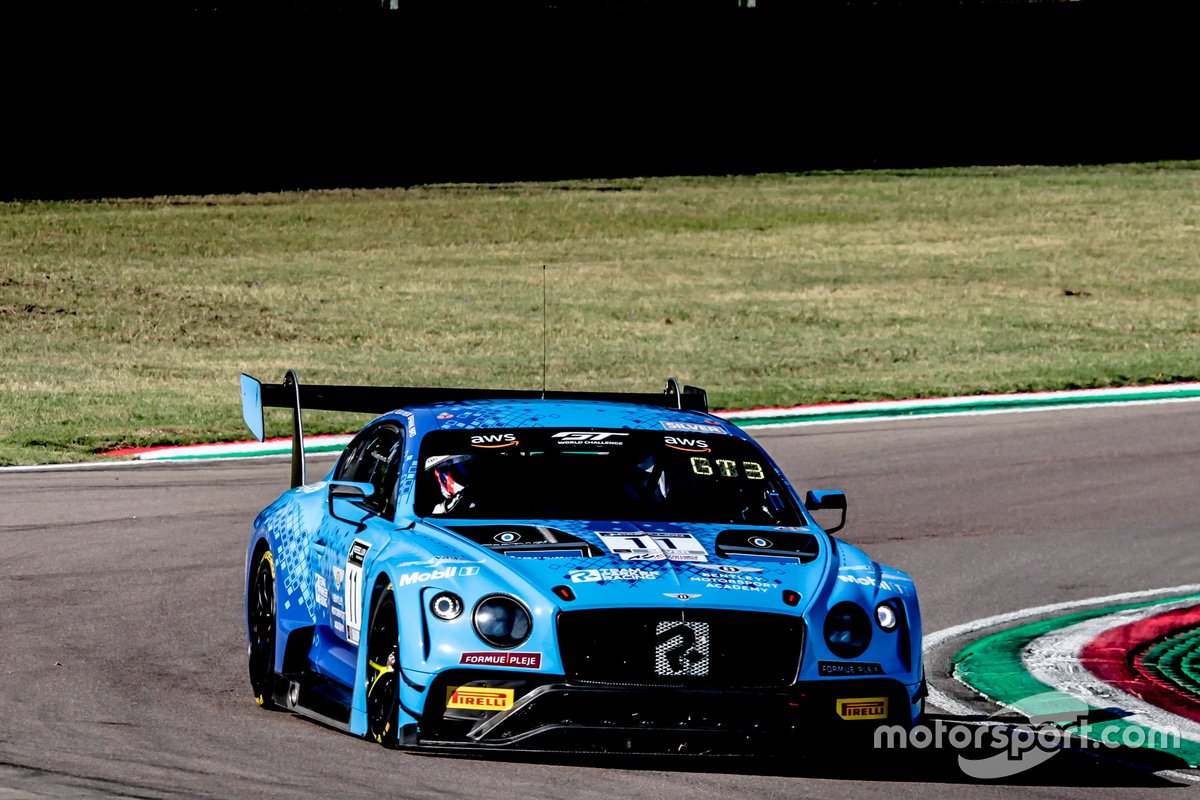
(446, 606)
(885, 615)
(502, 621)
(847, 630)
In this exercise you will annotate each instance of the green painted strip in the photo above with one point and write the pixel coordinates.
(992, 666)
(966, 407)
(1177, 660)
(1190, 664)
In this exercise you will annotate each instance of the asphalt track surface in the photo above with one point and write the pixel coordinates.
(122, 670)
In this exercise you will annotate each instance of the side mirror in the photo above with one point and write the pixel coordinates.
(347, 490)
(827, 501)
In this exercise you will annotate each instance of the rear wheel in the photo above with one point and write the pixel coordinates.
(383, 671)
(261, 619)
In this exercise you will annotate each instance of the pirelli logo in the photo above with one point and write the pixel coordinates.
(479, 698)
(862, 707)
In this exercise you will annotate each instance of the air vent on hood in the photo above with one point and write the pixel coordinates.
(537, 541)
(769, 545)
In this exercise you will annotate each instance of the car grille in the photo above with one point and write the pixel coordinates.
(699, 648)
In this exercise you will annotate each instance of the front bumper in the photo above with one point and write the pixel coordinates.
(553, 713)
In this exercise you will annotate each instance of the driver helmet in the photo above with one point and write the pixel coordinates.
(648, 480)
(453, 478)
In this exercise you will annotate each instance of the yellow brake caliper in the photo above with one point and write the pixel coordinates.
(380, 671)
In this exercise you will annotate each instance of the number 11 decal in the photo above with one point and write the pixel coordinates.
(654, 546)
(354, 569)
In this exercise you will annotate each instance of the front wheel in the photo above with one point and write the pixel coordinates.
(383, 671)
(261, 619)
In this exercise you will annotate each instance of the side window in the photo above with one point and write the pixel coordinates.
(375, 457)
(348, 464)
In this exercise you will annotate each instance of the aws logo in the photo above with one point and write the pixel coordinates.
(687, 445)
(493, 440)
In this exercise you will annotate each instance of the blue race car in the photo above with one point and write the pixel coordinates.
(548, 570)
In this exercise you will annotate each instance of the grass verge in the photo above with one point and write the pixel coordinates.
(126, 322)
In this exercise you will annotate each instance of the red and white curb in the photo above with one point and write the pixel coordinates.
(276, 446)
(933, 641)
(1177, 630)
(1067, 649)
(1056, 660)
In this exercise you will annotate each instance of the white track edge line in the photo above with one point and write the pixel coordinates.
(1164, 389)
(816, 420)
(938, 638)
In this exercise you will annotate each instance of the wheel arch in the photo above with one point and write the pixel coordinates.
(383, 583)
(407, 721)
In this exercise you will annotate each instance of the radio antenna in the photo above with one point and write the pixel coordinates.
(543, 331)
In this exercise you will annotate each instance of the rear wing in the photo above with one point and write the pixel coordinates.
(257, 395)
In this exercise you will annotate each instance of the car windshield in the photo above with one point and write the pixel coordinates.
(570, 473)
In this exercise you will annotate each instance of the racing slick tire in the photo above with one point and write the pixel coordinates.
(261, 623)
(383, 671)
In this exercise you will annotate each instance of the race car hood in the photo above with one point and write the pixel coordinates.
(605, 564)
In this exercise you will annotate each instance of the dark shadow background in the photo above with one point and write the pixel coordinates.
(139, 98)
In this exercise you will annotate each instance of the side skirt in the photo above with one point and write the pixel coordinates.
(316, 697)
